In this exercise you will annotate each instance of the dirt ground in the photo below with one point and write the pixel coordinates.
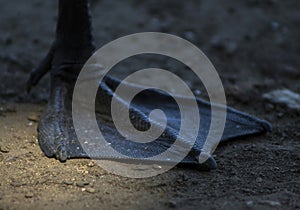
(255, 48)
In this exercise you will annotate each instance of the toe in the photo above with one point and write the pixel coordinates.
(61, 153)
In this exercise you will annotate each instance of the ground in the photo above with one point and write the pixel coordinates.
(255, 48)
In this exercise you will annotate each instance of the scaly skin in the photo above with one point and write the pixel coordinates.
(72, 47)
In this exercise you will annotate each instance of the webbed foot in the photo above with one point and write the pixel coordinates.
(73, 46)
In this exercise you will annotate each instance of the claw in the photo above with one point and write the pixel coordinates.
(37, 73)
(61, 153)
(209, 164)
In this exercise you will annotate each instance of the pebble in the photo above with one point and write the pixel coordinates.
(90, 190)
(250, 204)
(67, 182)
(271, 203)
(190, 36)
(17, 183)
(29, 195)
(82, 184)
(34, 117)
(91, 164)
(284, 97)
(12, 159)
(4, 149)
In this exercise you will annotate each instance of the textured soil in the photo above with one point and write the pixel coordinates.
(255, 48)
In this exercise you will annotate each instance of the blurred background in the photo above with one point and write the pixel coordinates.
(253, 44)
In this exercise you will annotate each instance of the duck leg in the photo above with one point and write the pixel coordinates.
(72, 47)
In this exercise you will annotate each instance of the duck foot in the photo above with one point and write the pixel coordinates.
(56, 134)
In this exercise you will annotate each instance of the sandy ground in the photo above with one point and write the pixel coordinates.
(255, 48)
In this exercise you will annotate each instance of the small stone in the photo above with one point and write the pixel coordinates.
(12, 159)
(17, 183)
(34, 117)
(82, 184)
(4, 149)
(67, 182)
(284, 97)
(91, 164)
(90, 190)
(29, 195)
(190, 35)
(250, 204)
(271, 203)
